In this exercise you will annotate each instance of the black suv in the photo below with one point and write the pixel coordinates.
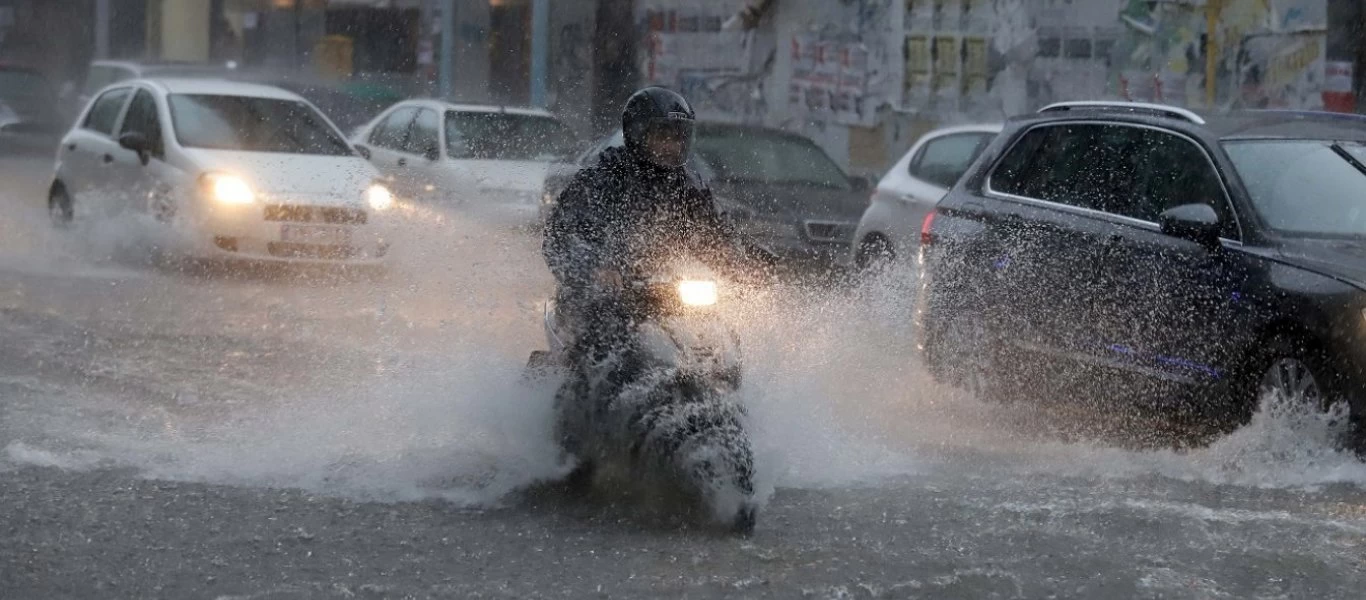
(1200, 260)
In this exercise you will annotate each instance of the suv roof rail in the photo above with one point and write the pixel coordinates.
(1161, 109)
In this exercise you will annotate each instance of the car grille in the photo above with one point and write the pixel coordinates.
(827, 231)
(315, 251)
(315, 214)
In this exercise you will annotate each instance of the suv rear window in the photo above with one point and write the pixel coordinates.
(943, 160)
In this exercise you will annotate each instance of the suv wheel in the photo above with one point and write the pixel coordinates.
(1290, 377)
(1297, 370)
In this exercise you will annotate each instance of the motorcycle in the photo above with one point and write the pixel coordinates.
(660, 410)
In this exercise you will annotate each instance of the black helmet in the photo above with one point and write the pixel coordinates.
(662, 115)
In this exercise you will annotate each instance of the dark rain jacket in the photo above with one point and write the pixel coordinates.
(623, 214)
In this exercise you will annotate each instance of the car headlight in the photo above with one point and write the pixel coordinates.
(697, 293)
(379, 197)
(228, 189)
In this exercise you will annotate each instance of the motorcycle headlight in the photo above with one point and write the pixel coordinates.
(697, 293)
(379, 197)
(227, 189)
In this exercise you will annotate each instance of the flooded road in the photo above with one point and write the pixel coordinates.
(198, 433)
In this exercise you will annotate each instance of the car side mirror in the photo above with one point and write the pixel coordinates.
(137, 142)
(432, 154)
(364, 151)
(861, 183)
(1195, 222)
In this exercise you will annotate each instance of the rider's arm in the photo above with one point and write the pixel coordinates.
(719, 237)
(569, 249)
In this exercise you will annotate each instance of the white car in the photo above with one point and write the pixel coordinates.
(890, 227)
(237, 169)
(488, 161)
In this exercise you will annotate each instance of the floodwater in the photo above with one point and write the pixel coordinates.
(197, 432)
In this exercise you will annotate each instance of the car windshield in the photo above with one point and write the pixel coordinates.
(754, 156)
(253, 124)
(1305, 187)
(505, 136)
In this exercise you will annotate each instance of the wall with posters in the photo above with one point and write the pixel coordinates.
(816, 66)
(1269, 54)
(723, 72)
(884, 71)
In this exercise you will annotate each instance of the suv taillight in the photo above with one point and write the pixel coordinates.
(927, 238)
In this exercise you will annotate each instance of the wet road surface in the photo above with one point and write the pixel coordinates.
(199, 433)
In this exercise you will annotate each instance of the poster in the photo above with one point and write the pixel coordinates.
(829, 78)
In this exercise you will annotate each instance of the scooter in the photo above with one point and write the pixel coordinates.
(670, 418)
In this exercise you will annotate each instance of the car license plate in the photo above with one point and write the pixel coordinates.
(311, 234)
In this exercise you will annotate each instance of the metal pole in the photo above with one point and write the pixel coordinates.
(1213, 11)
(540, 46)
(102, 17)
(447, 75)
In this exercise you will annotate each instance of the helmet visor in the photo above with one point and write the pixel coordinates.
(668, 142)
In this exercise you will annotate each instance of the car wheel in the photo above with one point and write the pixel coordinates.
(59, 206)
(1289, 377)
(1297, 370)
(875, 254)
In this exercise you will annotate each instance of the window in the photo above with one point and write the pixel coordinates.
(943, 160)
(1086, 165)
(424, 137)
(392, 132)
(1076, 48)
(253, 124)
(506, 136)
(1308, 188)
(1178, 172)
(105, 113)
(1135, 172)
(741, 155)
(142, 118)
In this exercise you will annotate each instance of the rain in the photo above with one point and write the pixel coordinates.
(682, 299)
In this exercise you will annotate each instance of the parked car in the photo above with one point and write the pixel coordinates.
(106, 72)
(29, 122)
(1207, 259)
(786, 196)
(890, 227)
(244, 170)
(487, 160)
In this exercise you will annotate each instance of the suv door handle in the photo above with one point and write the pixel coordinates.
(108, 158)
(71, 147)
(402, 162)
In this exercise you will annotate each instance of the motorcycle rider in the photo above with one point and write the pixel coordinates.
(636, 203)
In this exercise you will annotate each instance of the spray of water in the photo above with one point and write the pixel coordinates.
(835, 395)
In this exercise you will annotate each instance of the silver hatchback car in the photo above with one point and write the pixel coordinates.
(890, 227)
